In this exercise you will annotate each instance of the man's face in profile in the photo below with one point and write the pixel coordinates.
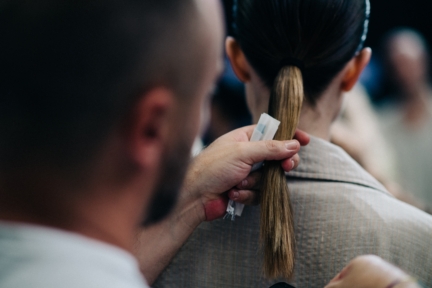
(175, 162)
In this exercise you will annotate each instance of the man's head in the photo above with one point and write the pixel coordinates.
(98, 93)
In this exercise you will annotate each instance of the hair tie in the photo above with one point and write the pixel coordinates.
(292, 62)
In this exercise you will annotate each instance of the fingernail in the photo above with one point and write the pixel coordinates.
(292, 145)
(244, 183)
(292, 163)
(236, 194)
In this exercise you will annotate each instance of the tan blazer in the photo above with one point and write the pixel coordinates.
(340, 212)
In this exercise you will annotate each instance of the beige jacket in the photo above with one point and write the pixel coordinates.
(340, 212)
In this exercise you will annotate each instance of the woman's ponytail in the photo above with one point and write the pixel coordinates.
(277, 223)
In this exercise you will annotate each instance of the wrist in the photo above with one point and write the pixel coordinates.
(197, 207)
(191, 200)
(189, 211)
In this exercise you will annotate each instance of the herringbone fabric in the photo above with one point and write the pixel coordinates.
(340, 212)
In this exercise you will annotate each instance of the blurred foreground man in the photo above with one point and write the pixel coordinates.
(99, 106)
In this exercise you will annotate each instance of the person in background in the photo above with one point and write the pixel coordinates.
(357, 130)
(99, 105)
(340, 210)
(407, 123)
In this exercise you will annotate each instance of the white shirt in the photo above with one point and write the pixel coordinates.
(37, 257)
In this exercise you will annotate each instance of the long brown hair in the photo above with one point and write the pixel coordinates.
(277, 225)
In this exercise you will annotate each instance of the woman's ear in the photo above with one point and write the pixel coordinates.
(237, 59)
(354, 69)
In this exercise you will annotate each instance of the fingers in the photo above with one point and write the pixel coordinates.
(248, 130)
(247, 197)
(291, 164)
(247, 192)
(215, 209)
(243, 134)
(302, 137)
(252, 182)
(270, 150)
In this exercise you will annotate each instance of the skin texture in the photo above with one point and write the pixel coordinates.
(370, 272)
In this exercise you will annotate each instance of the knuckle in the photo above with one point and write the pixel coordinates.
(297, 160)
(272, 146)
(247, 197)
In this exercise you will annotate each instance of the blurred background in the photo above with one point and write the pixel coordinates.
(386, 122)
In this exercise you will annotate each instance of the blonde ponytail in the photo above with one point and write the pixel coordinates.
(277, 223)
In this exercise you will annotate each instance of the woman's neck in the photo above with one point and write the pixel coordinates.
(315, 120)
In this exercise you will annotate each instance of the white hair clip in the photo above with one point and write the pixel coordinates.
(265, 130)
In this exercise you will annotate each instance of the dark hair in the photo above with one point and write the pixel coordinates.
(71, 71)
(323, 34)
(297, 47)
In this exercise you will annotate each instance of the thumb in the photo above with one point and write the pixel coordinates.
(269, 150)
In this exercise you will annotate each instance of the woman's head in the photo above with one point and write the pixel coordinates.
(319, 36)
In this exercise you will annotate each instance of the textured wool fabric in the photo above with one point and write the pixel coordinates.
(340, 212)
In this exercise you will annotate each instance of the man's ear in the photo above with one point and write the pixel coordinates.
(150, 126)
(237, 59)
(354, 69)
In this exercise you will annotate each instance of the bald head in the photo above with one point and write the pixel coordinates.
(210, 12)
(72, 70)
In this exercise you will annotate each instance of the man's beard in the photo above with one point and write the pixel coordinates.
(167, 189)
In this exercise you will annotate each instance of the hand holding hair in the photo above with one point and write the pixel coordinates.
(248, 192)
(227, 162)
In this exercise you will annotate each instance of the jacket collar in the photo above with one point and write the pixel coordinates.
(323, 161)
